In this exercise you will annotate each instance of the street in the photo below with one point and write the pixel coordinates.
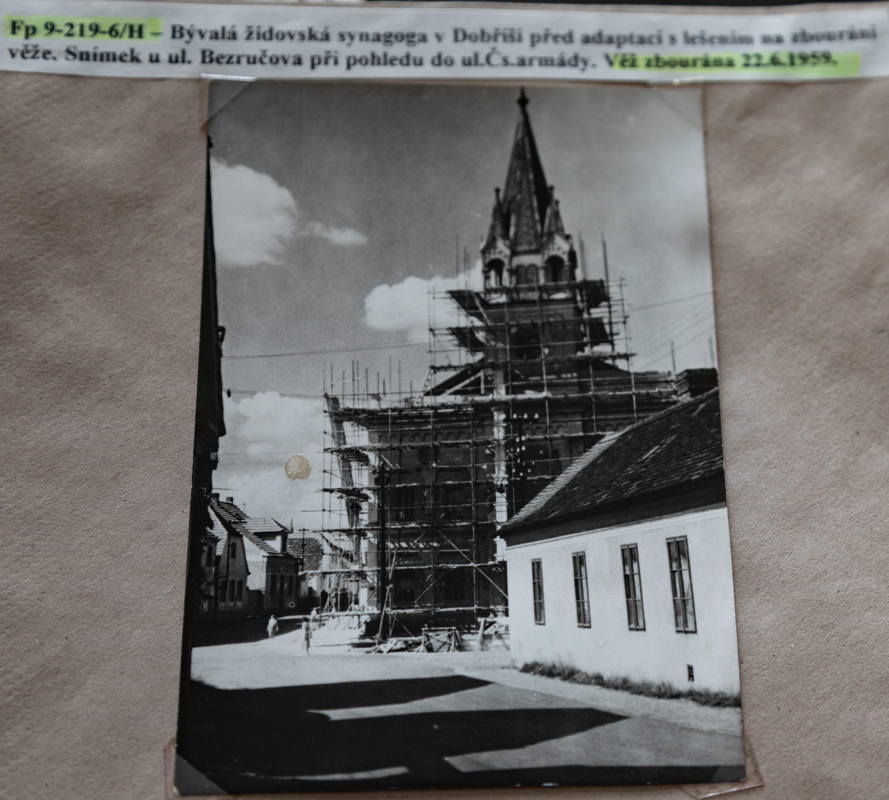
(264, 716)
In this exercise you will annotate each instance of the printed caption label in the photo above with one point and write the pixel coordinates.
(189, 40)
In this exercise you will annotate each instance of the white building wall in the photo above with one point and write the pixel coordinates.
(608, 647)
(256, 562)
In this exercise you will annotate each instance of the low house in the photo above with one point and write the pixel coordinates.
(331, 582)
(273, 575)
(622, 566)
(207, 571)
(230, 570)
(307, 547)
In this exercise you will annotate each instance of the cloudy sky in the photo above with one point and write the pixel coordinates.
(337, 206)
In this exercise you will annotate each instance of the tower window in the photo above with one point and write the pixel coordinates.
(494, 273)
(527, 274)
(555, 270)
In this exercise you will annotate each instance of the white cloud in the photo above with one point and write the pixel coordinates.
(345, 237)
(405, 306)
(255, 218)
(253, 215)
(262, 432)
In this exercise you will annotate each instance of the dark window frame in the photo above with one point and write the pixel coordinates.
(629, 556)
(581, 590)
(538, 602)
(684, 616)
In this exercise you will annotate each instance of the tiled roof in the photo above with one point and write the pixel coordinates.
(227, 512)
(265, 525)
(262, 544)
(674, 449)
(236, 520)
(309, 546)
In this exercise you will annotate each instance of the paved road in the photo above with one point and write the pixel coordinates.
(270, 718)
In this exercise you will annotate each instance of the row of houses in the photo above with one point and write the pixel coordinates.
(254, 566)
(622, 565)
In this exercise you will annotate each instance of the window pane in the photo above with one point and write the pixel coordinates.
(581, 589)
(632, 586)
(537, 591)
(681, 586)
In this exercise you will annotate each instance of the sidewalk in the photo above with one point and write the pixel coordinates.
(684, 713)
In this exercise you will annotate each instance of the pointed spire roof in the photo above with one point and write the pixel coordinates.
(526, 194)
(553, 223)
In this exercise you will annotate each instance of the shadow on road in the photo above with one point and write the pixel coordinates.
(236, 631)
(265, 740)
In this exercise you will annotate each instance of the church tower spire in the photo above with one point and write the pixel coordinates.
(527, 235)
(526, 194)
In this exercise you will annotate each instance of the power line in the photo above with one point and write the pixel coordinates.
(631, 307)
(324, 352)
(358, 349)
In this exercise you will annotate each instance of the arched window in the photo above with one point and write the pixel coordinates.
(494, 272)
(555, 269)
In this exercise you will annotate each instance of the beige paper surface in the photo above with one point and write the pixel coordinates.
(102, 189)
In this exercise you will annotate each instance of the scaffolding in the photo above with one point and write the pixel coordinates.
(530, 365)
(522, 380)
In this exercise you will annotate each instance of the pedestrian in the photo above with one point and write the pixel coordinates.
(307, 635)
(313, 617)
(272, 628)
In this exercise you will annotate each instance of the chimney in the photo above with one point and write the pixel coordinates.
(230, 500)
(694, 382)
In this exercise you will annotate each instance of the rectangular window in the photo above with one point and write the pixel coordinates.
(233, 550)
(581, 590)
(680, 582)
(629, 554)
(537, 591)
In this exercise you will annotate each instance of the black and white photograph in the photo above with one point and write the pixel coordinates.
(458, 514)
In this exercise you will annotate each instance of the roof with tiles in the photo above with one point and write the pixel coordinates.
(671, 451)
(265, 526)
(238, 522)
(308, 545)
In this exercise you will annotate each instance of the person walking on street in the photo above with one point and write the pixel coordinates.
(307, 635)
(272, 628)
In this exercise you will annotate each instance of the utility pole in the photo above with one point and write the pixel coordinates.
(382, 554)
(673, 357)
(608, 293)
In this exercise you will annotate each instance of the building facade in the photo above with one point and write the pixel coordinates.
(271, 576)
(200, 598)
(535, 372)
(231, 571)
(622, 566)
